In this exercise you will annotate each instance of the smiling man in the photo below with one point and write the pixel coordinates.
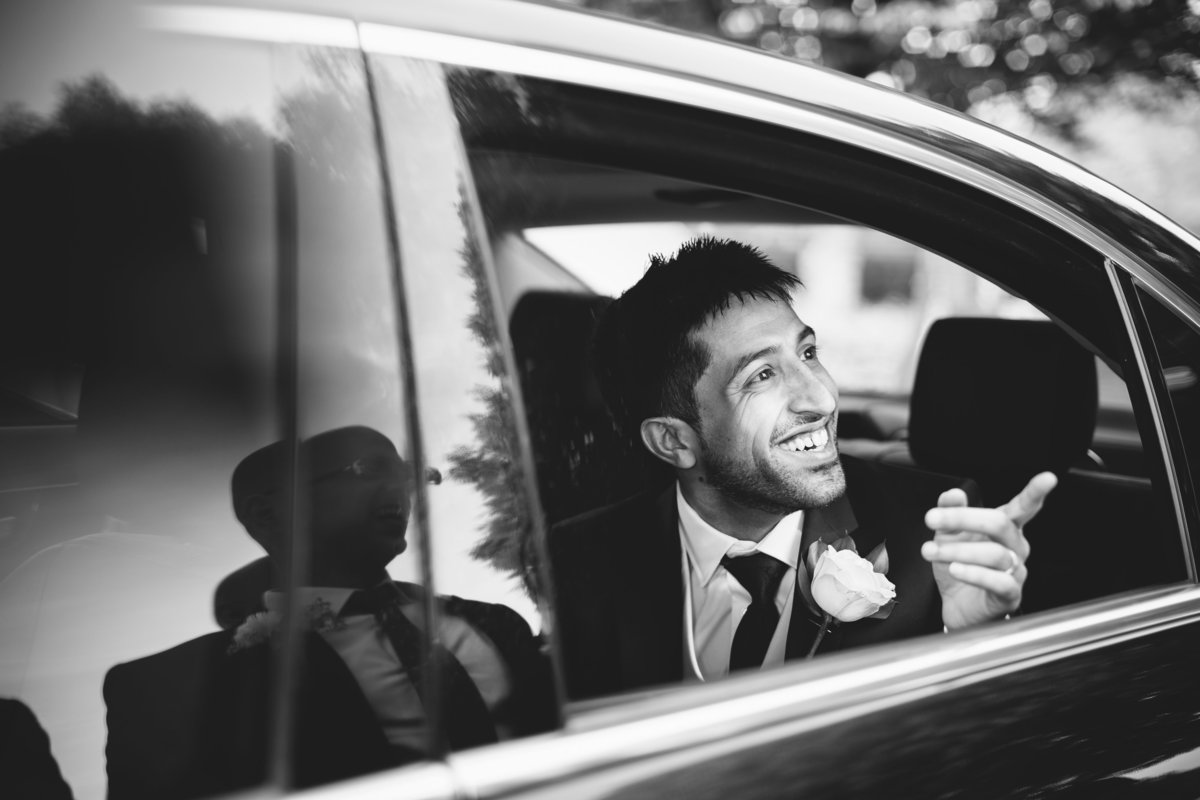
(749, 560)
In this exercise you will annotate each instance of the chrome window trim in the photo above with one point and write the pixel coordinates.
(573, 46)
(281, 27)
(753, 104)
(693, 721)
(432, 780)
(797, 114)
(1139, 354)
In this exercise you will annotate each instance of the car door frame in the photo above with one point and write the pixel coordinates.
(612, 745)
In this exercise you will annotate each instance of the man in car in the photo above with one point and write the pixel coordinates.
(196, 720)
(769, 546)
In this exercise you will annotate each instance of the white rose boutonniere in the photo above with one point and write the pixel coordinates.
(848, 588)
(845, 587)
(261, 627)
(257, 629)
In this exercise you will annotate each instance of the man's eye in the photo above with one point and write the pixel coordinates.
(766, 373)
(809, 353)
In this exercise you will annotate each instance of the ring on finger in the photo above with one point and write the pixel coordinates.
(1016, 562)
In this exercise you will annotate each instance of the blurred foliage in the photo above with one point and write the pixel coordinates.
(492, 463)
(1141, 134)
(956, 52)
(1112, 84)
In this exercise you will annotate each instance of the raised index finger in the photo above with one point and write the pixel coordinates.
(1028, 502)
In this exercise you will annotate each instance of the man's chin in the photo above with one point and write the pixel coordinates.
(827, 485)
(778, 487)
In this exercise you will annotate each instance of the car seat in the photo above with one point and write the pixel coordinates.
(1000, 400)
(582, 460)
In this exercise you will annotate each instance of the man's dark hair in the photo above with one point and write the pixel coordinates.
(647, 357)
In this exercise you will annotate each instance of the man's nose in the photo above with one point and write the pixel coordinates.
(807, 392)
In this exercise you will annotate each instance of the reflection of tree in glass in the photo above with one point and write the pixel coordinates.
(105, 203)
(326, 116)
(492, 465)
(131, 234)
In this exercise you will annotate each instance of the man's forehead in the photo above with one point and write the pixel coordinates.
(344, 445)
(733, 328)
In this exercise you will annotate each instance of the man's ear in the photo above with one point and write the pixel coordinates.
(672, 440)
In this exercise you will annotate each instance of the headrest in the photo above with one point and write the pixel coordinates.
(583, 461)
(552, 336)
(1001, 397)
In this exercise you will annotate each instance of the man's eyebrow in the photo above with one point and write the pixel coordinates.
(748, 358)
(742, 362)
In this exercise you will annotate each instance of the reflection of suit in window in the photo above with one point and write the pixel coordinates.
(27, 765)
(619, 580)
(193, 721)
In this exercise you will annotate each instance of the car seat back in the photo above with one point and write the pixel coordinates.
(582, 460)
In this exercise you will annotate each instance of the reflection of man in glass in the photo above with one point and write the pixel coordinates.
(359, 497)
(195, 720)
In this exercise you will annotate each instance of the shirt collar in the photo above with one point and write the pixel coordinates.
(336, 596)
(706, 545)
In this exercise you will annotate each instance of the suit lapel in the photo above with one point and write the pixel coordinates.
(890, 503)
(337, 735)
(857, 515)
(828, 524)
(650, 604)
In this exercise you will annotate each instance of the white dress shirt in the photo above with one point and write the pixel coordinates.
(369, 654)
(714, 600)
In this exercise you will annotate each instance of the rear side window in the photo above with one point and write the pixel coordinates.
(579, 186)
(137, 369)
(204, 275)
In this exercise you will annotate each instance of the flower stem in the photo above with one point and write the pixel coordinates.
(825, 626)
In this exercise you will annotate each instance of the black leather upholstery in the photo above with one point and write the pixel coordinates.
(582, 460)
(1000, 400)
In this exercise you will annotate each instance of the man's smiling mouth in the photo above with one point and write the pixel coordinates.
(807, 442)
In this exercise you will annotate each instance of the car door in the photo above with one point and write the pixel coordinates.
(1038, 704)
(378, 289)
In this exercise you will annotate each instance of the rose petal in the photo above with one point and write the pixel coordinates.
(847, 587)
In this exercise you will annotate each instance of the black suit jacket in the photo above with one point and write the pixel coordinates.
(620, 593)
(194, 721)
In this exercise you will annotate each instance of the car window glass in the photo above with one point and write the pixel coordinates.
(1176, 349)
(476, 509)
(137, 370)
(356, 481)
(578, 186)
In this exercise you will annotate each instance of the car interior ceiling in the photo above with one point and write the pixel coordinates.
(792, 172)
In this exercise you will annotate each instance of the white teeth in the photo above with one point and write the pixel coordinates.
(809, 441)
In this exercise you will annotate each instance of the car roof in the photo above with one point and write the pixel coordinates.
(565, 43)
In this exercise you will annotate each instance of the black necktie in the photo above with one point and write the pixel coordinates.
(760, 574)
(465, 717)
